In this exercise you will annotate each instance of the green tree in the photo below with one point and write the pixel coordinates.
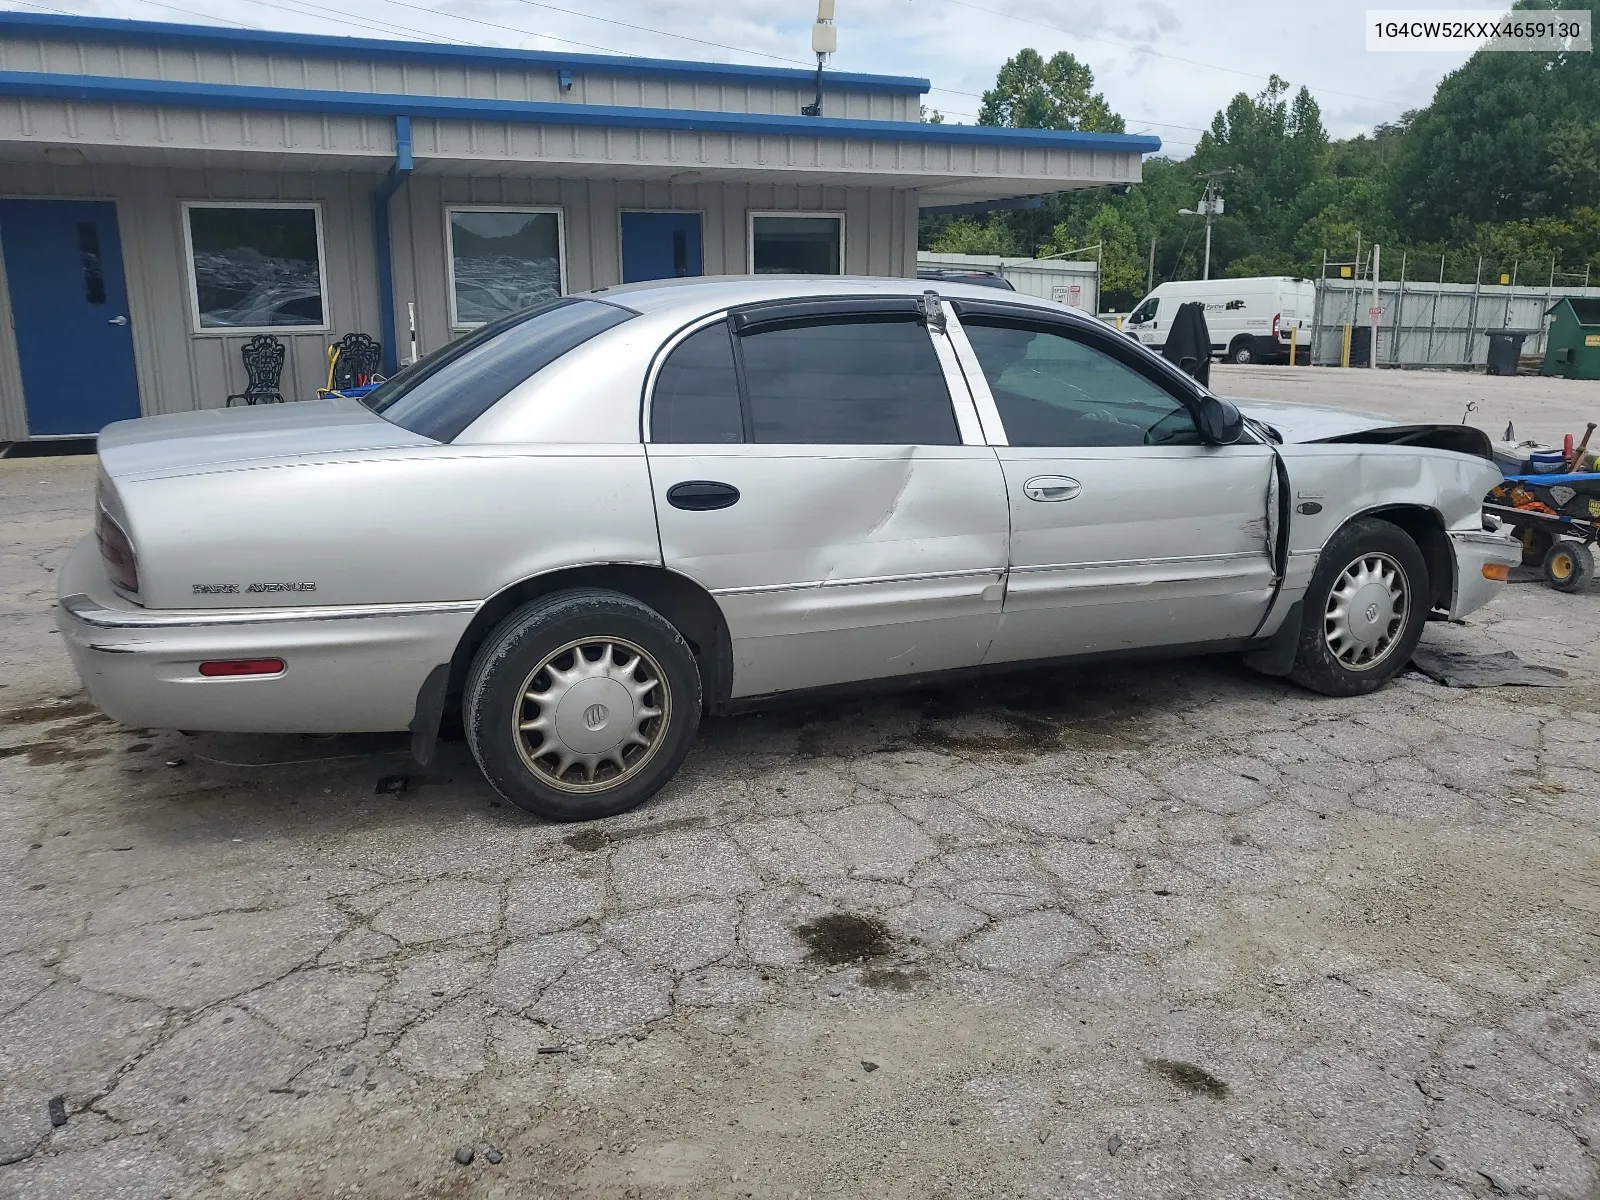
(1507, 137)
(1031, 93)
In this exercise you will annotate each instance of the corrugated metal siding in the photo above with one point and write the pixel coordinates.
(880, 230)
(478, 146)
(179, 369)
(72, 57)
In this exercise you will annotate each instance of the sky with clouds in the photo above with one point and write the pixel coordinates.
(1167, 67)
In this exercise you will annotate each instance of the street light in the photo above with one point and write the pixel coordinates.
(1210, 206)
(824, 41)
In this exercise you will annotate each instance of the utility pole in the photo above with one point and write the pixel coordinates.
(1210, 206)
(1375, 311)
(1150, 271)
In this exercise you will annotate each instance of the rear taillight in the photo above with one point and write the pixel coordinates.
(117, 551)
(1276, 317)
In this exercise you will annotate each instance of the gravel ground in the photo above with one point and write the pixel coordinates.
(1155, 931)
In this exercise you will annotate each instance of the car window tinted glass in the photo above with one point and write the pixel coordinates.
(1145, 311)
(697, 391)
(863, 381)
(440, 395)
(1053, 390)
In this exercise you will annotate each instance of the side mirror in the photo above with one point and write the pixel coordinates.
(1220, 421)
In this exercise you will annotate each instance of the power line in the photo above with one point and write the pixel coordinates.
(1147, 50)
(682, 37)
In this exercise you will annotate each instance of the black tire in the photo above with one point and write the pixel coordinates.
(1568, 566)
(1240, 352)
(1316, 666)
(550, 631)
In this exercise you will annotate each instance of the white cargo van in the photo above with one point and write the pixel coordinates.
(1251, 320)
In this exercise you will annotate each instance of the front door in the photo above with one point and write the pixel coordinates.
(1126, 531)
(69, 306)
(823, 475)
(660, 245)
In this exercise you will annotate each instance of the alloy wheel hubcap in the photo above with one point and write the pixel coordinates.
(1367, 611)
(592, 714)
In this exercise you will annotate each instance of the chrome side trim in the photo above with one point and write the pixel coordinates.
(84, 608)
(1137, 562)
(972, 573)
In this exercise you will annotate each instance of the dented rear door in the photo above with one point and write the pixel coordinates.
(823, 475)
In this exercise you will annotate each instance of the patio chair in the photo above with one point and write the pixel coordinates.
(353, 362)
(263, 369)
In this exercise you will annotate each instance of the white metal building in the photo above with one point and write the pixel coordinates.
(169, 191)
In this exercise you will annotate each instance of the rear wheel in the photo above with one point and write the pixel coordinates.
(581, 704)
(1364, 610)
(1568, 566)
(1536, 544)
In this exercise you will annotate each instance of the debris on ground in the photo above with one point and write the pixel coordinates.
(1189, 1077)
(58, 1111)
(1464, 669)
(465, 1155)
(1113, 1143)
(392, 785)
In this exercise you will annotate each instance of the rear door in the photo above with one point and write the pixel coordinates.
(1126, 530)
(819, 469)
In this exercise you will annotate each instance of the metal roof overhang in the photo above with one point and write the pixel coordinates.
(116, 121)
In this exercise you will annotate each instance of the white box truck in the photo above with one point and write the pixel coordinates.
(1250, 320)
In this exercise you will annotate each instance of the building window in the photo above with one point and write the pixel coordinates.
(502, 260)
(256, 266)
(796, 244)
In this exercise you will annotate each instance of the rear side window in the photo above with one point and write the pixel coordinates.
(861, 381)
(697, 392)
(443, 393)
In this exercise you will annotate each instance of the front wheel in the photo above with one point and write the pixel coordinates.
(1364, 610)
(581, 705)
(1241, 353)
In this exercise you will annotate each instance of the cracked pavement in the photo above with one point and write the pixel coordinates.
(1156, 930)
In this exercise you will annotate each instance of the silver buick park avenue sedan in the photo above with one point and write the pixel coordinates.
(586, 524)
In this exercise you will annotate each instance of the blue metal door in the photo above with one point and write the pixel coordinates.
(660, 245)
(69, 305)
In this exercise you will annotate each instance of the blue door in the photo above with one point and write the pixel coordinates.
(660, 245)
(69, 304)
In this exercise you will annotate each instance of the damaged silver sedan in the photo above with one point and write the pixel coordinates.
(585, 525)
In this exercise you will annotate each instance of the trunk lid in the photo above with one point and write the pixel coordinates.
(222, 438)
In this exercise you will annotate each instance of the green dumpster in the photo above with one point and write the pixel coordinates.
(1573, 348)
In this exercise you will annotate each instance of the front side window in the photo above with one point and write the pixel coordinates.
(782, 244)
(255, 267)
(1053, 390)
(440, 395)
(857, 381)
(1145, 312)
(501, 262)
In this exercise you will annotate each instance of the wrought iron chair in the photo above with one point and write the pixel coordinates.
(263, 369)
(357, 362)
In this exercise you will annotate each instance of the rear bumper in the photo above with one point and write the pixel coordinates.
(351, 669)
(1474, 550)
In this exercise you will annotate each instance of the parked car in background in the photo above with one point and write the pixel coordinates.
(586, 524)
(1251, 320)
(955, 275)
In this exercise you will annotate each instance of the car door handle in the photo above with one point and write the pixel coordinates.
(1047, 489)
(117, 321)
(702, 495)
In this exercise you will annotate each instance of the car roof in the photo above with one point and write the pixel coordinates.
(706, 294)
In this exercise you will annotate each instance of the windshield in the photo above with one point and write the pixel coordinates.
(441, 394)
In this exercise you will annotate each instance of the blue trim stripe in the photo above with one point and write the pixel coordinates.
(256, 41)
(92, 89)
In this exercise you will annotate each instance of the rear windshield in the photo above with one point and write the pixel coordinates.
(442, 393)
